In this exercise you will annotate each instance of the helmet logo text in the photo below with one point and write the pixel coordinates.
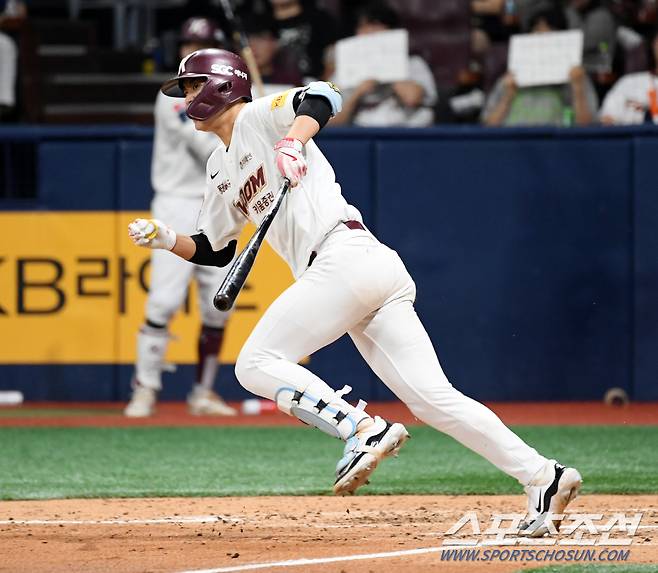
(224, 70)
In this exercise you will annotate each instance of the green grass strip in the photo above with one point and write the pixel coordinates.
(41, 463)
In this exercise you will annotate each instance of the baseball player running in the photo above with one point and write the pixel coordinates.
(346, 281)
(178, 176)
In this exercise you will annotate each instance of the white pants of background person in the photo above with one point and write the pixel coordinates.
(171, 275)
(8, 57)
(360, 286)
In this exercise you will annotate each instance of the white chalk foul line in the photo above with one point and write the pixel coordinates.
(183, 519)
(155, 521)
(320, 560)
(361, 557)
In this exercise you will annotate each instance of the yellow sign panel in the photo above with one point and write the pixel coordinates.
(73, 290)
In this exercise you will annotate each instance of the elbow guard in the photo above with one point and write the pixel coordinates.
(328, 91)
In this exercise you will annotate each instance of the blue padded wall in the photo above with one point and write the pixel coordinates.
(520, 249)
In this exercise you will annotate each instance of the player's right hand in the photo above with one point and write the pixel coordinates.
(151, 233)
(290, 159)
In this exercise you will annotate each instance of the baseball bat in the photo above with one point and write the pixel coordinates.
(237, 274)
(240, 39)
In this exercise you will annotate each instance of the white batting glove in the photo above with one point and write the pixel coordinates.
(290, 159)
(152, 233)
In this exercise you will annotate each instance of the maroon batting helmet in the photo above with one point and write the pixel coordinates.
(226, 76)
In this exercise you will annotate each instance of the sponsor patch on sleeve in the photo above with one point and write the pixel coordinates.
(279, 100)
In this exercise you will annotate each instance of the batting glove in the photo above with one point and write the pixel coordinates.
(290, 159)
(151, 233)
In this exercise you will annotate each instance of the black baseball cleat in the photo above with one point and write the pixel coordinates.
(364, 451)
(547, 502)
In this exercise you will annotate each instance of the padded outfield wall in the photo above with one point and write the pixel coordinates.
(535, 254)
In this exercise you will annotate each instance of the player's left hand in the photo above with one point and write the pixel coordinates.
(152, 233)
(290, 159)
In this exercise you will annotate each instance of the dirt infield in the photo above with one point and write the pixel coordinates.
(48, 414)
(236, 534)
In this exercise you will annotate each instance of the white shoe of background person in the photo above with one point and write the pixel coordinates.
(549, 498)
(204, 402)
(364, 451)
(142, 402)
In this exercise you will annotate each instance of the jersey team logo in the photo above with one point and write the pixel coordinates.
(253, 185)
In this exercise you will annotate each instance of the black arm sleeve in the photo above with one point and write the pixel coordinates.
(204, 254)
(314, 106)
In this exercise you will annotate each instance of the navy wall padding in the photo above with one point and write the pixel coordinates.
(78, 175)
(134, 189)
(645, 189)
(352, 162)
(57, 382)
(520, 252)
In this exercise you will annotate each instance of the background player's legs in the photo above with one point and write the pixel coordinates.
(396, 346)
(170, 277)
(203, 399)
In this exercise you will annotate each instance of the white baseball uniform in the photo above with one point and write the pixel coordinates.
(355, 284)
(180, 153)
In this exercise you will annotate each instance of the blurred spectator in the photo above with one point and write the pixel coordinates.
(494, 21)
(406, 103)
(306, 32)
(509, 104)
(639, 15)
(600, 31)
(633, 99)
(276, 65)
(11, 12)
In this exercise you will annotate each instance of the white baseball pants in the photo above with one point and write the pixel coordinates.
(171, 275)
(360, 286)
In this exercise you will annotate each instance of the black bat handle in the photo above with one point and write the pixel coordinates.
(237, 274)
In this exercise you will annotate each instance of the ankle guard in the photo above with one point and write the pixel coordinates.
(327, 411)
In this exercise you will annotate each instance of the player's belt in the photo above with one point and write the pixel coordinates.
(351, 224)
(354, 225)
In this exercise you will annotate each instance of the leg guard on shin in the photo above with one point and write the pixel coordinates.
(151, 348)
(327, 411)
(210, 342)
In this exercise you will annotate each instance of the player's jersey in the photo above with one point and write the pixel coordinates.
(180, 151)
(243, 180)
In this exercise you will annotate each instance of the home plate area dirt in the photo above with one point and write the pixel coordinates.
(352, 534)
